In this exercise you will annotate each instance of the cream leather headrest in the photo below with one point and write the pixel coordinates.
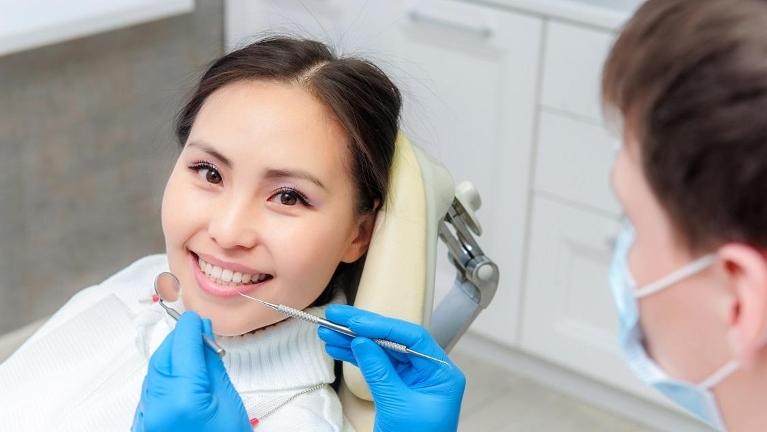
(398, 277)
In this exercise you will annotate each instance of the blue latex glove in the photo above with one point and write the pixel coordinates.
(186, 387)
(410, 393)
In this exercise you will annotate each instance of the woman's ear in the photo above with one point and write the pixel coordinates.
(746, 272)
(361, 240)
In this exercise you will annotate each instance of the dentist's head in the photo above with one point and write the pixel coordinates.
(689, 81)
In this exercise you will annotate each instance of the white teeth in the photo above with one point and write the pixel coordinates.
(228, 277)
(216, 273)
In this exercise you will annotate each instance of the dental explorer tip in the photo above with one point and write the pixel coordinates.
(263, 302)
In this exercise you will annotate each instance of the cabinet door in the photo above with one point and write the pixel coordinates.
(573, 161)
(572, 69)
(569, 317)
(469, 76)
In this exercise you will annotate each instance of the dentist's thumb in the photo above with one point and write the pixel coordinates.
(376, 367)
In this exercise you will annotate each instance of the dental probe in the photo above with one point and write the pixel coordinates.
(295, 313)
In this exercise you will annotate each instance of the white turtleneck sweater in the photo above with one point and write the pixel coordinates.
(83, 370)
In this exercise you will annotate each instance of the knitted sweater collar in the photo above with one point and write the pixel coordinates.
(284, 356)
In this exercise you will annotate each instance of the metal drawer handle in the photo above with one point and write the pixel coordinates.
(482, 31)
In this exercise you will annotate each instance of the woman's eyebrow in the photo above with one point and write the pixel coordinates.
(286, 173)
(270, 174)
(211, 151)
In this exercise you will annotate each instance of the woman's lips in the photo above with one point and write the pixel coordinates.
(219, 290)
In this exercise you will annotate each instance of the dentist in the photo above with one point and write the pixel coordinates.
(688, 80)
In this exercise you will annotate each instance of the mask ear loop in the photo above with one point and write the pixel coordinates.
(681, 274)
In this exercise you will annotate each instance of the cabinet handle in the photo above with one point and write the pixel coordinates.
(482, 31)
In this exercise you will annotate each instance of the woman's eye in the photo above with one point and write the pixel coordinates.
(289, 197)
(208, 173)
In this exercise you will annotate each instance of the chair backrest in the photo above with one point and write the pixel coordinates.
(398, 276)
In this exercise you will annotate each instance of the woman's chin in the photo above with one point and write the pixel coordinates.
(226, 326)
(229, 330)
(229, 317)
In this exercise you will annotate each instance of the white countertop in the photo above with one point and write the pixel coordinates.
(604, 14)
(33, 23)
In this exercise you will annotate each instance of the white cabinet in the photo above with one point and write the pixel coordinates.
(468, 74)
(569, 316)
(567, 292)
(572, 69)
(574, 159)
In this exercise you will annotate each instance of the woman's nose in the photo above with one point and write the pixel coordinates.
(233, 225)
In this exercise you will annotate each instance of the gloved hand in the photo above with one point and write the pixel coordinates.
(186, 387)
(410, 393)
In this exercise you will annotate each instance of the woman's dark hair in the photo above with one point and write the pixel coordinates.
(364, 100)
(690, 80)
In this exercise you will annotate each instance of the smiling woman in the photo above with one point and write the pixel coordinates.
(284, 162)
(263, 184)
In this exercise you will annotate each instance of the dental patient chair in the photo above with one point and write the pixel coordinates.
(398, 276)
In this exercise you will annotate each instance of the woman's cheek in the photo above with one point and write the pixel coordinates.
(172, 200)
(304, 275)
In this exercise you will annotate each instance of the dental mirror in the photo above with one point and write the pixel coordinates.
(168, 288)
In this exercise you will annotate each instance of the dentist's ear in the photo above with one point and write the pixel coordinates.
(746, 271)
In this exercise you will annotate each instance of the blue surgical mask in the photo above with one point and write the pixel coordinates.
(698, 399)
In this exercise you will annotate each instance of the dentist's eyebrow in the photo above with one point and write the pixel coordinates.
(211, 151)
(284, 173)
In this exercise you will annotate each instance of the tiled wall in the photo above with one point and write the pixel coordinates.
(85, 148)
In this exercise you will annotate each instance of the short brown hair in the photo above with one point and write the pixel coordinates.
(690, 79)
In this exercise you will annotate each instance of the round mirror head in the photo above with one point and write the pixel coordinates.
(166, 286)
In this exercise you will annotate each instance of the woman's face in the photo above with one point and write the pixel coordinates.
(260, 202)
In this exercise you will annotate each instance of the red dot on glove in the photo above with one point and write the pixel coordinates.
(254, 422)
